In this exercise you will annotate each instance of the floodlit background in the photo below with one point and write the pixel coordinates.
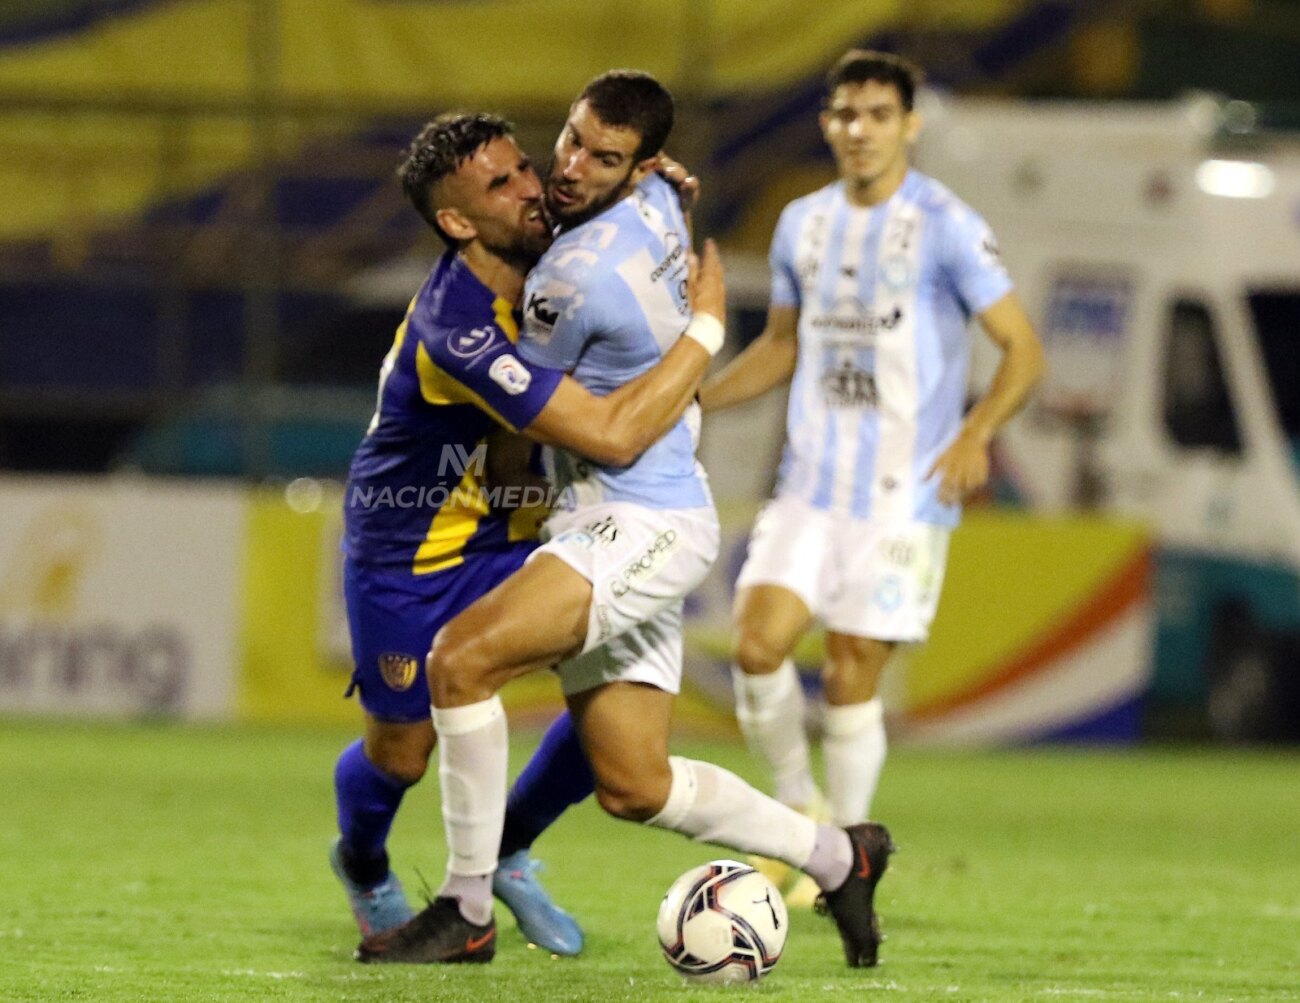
(204, 255)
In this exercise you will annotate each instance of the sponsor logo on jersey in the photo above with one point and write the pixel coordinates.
(468, 344)
(988, 251)
(538, 309)
(398, 670)
(674, 252)
(856, 319)
(510, 374)
(898, 550)
(550, 300)
(604, 628)
(604, 530)
(646, 565)
(847, 385)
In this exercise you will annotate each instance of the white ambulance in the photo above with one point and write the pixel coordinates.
(1157, 248)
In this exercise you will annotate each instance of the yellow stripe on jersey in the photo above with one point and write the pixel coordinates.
(505, 318)
(452, 527)
(437, 386)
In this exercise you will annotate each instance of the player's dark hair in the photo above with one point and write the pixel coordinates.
(633, 100)
(857, 66)
(441, 147)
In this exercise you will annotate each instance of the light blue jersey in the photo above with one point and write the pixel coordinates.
(605, 303)
(884, 295)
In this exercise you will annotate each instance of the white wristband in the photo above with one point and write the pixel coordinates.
(708, 331)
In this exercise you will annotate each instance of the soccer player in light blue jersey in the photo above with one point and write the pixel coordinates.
(874, 278)
(602, 597)
(426, 533)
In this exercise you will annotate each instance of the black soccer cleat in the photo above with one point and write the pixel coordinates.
(850, 905)
(438, 934)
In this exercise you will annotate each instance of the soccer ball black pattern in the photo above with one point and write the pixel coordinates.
(722, 922)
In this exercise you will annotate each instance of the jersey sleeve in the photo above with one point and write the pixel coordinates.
(480, 366)
(785, 278)
(971, 260)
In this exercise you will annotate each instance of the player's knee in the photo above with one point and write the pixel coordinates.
(405, 761)
(403, 765)
(757, 654)
(454, 667)
(636, 799)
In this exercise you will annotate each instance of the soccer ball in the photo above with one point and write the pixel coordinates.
(722, 922)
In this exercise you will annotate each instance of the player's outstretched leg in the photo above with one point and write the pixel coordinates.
(556, 777)
(851, 905)
(438, 934)
(540, 920)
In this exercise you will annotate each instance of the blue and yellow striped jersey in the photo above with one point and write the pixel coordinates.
(415, 496)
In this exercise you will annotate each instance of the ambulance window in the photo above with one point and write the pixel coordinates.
(1277, 321)
(1197, 409)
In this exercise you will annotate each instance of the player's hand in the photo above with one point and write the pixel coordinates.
(706, 286)
(683, 181)
(963, 467)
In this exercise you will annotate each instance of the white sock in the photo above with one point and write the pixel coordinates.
(853, 742)
(770, 712)
(472, 754)
(714, 805)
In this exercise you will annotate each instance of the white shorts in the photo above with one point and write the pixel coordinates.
(858, 576)
(641, 563)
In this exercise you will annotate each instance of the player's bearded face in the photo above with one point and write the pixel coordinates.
(594, 166)
(869, 131)
(500, 195)
(516, 237)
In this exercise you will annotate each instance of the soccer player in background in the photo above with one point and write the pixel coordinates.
(874, 278)
(425, 535)
(603, 596)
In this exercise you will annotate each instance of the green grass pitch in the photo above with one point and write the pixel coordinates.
(164, 863)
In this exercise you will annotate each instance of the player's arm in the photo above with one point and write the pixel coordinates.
(964, 465)
(768, 361)
(509, 461)
(617, 428)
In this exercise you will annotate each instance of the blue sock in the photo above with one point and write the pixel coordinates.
(556, 777)
(367, 802)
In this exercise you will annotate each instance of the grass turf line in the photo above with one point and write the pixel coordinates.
(164, 863)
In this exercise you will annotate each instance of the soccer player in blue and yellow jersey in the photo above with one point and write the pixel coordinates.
(603, 595)
(432, 514)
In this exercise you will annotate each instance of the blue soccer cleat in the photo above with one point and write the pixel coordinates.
(540, 920)
(376, 909)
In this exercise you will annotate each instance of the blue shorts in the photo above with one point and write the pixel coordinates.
(393, 616)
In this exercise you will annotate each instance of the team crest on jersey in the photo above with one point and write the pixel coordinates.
(889, 593)
(468, 344)
(510, 375)
(398, 670)
(896, 271)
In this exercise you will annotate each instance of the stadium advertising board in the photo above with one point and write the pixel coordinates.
(117, 597)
